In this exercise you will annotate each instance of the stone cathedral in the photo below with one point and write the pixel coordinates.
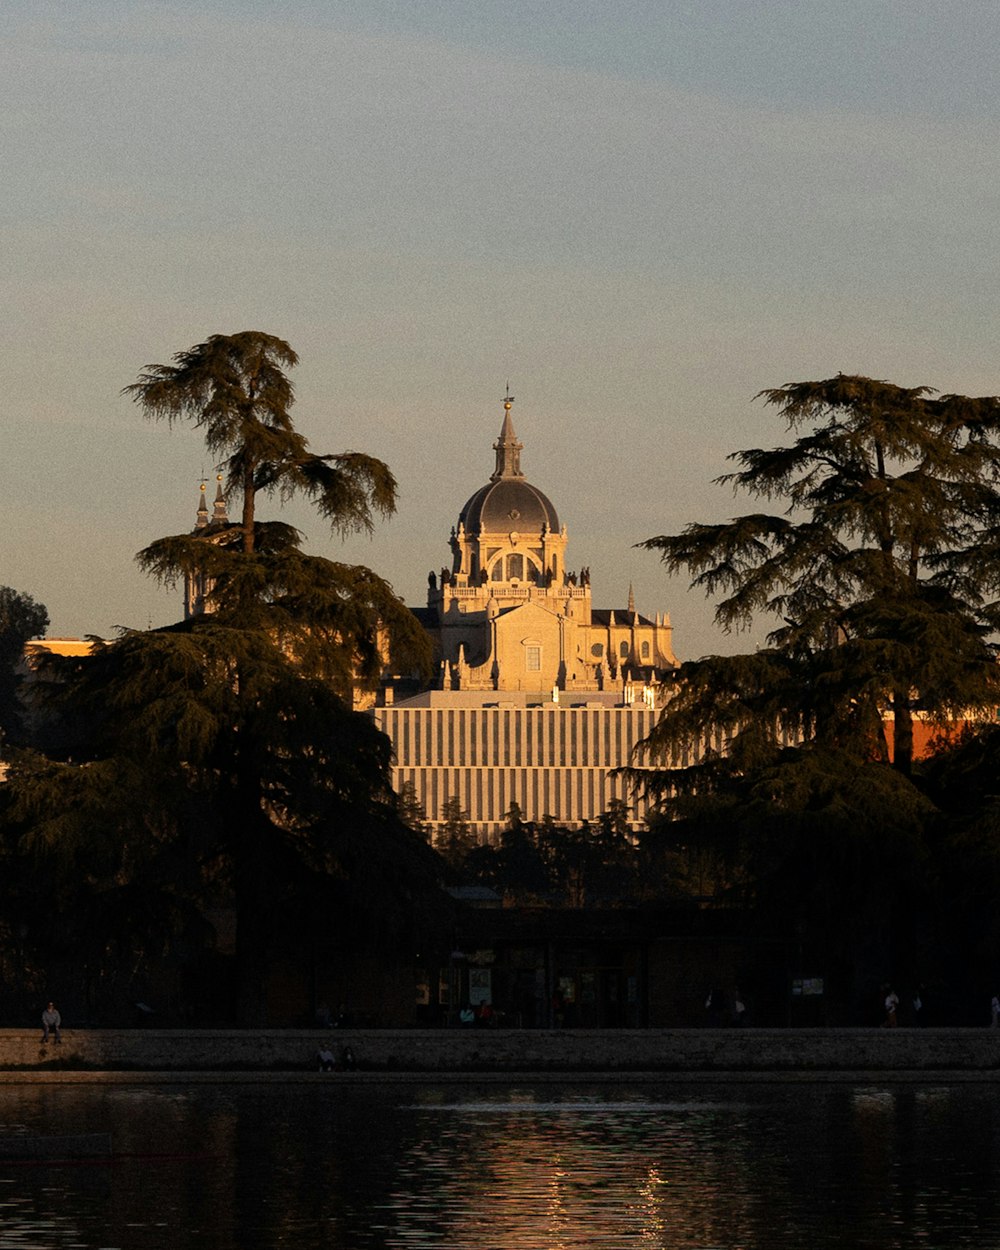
(539, 695)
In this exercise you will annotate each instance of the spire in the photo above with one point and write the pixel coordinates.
(631, 600)
(219, 514)
(202, 520)
(507, 447)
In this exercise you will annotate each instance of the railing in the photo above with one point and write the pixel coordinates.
(500, 591)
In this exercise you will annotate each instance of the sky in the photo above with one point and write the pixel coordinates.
(639, 213)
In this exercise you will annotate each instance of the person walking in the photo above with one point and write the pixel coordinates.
(51, 1021)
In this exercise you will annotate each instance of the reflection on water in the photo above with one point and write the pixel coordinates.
(350, 1167)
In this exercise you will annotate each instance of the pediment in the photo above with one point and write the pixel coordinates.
(527, 612)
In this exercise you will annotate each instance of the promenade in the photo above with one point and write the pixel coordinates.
(502, 1053)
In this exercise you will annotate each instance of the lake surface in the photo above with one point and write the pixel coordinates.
(350, 1167)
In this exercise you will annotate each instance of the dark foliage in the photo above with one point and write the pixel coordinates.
(874, 573)
(221, 763)
(797, 807)
(21, 619)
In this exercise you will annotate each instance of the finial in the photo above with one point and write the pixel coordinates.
(508, 398)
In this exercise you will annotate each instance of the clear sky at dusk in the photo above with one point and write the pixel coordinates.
(640, 212)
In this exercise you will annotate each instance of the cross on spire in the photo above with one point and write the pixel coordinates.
(507, 448)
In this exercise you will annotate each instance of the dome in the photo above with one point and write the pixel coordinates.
(507, 505)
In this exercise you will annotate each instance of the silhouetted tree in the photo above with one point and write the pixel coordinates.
(21, 619)
(455, 839)
(411, 811)
(881, 572)
(239, 721)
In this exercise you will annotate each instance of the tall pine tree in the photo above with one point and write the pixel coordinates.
(239, 721)
(879, 572)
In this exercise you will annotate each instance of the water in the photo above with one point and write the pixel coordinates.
(363, 1167)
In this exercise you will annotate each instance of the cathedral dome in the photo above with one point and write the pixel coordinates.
(507, 505)
(508, 502)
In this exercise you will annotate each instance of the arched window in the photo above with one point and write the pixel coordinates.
(623, 650)
(515, 568)
(496, 573)
(645, 650)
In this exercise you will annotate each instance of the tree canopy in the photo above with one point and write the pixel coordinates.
(21, 619)
(786, 774)
(879, 573)
(236, 726)
(235, 387)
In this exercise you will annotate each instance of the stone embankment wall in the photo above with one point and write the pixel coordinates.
(510, 1050)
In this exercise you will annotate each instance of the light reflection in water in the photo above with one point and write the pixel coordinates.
(358, 1167)
(568, 1175)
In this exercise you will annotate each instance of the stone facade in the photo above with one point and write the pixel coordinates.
(510, 616)
(550, 758)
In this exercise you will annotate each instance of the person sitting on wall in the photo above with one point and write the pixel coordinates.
(466, 1016)
(325, 1062)
(51, 1020)
(484, 1015)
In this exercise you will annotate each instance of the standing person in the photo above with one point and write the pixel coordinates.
(51, 1019)
(891, 1005)
(995, 1012)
